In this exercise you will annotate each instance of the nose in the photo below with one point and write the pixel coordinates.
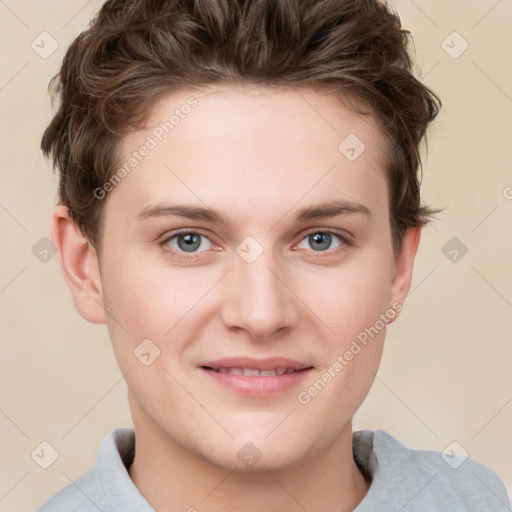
(258, 299)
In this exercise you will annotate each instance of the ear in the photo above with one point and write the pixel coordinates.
(404, 262)
(80, 266)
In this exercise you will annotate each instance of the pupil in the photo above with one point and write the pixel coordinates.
(191, 242)
(321, 238)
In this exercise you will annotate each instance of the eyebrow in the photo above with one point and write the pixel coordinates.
(319, 211)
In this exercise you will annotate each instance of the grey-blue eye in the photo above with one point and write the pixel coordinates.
(187, 241)
(322, 240)
(192, 242)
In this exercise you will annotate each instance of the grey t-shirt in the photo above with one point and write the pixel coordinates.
(403, 480)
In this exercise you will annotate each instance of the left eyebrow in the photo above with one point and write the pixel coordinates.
(319, 211)
(331, 209)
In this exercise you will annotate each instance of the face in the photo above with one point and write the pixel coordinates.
(247, 241)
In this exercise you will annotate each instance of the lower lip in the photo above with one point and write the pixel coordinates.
(266, 385)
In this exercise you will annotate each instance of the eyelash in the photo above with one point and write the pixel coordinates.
(344, 241)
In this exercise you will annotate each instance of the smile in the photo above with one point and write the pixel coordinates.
(254, 372)
(252, 377)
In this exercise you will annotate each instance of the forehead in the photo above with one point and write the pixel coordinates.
(254, 145)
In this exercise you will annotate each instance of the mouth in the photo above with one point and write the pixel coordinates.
(254, 372)
(256, 377)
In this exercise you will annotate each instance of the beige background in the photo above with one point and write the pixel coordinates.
(445, 374)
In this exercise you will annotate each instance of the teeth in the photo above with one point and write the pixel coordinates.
(253, 372)
(250, 372)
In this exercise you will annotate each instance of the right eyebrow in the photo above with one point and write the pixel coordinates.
(182, 210)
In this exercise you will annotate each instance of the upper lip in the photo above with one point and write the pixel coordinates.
(268, 363)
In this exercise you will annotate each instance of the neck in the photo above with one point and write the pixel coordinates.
(172, 478)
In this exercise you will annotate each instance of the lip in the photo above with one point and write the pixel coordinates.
(260, 385)
(267, 363)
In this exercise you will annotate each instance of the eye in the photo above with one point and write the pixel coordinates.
(323, 240)
(193, 242)
(187, 241)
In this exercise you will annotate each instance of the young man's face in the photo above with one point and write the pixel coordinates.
(261, 284)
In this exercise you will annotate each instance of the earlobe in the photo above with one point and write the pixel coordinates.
(404, 263)
(79, 264)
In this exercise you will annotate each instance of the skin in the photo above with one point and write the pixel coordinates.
(258, 155)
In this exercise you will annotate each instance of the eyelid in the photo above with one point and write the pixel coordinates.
(182, 231)
(342, 233)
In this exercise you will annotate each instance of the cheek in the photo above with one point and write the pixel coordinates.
(145, 297)
(347, 299)
(356, 299)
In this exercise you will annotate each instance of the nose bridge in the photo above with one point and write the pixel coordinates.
(257, 300)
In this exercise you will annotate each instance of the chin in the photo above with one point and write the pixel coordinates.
(241, 455)
(256, 463)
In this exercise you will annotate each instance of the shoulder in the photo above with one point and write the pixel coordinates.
(107, 485)
(429, 480)
(84, 494)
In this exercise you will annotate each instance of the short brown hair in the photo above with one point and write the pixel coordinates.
(135, 51)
